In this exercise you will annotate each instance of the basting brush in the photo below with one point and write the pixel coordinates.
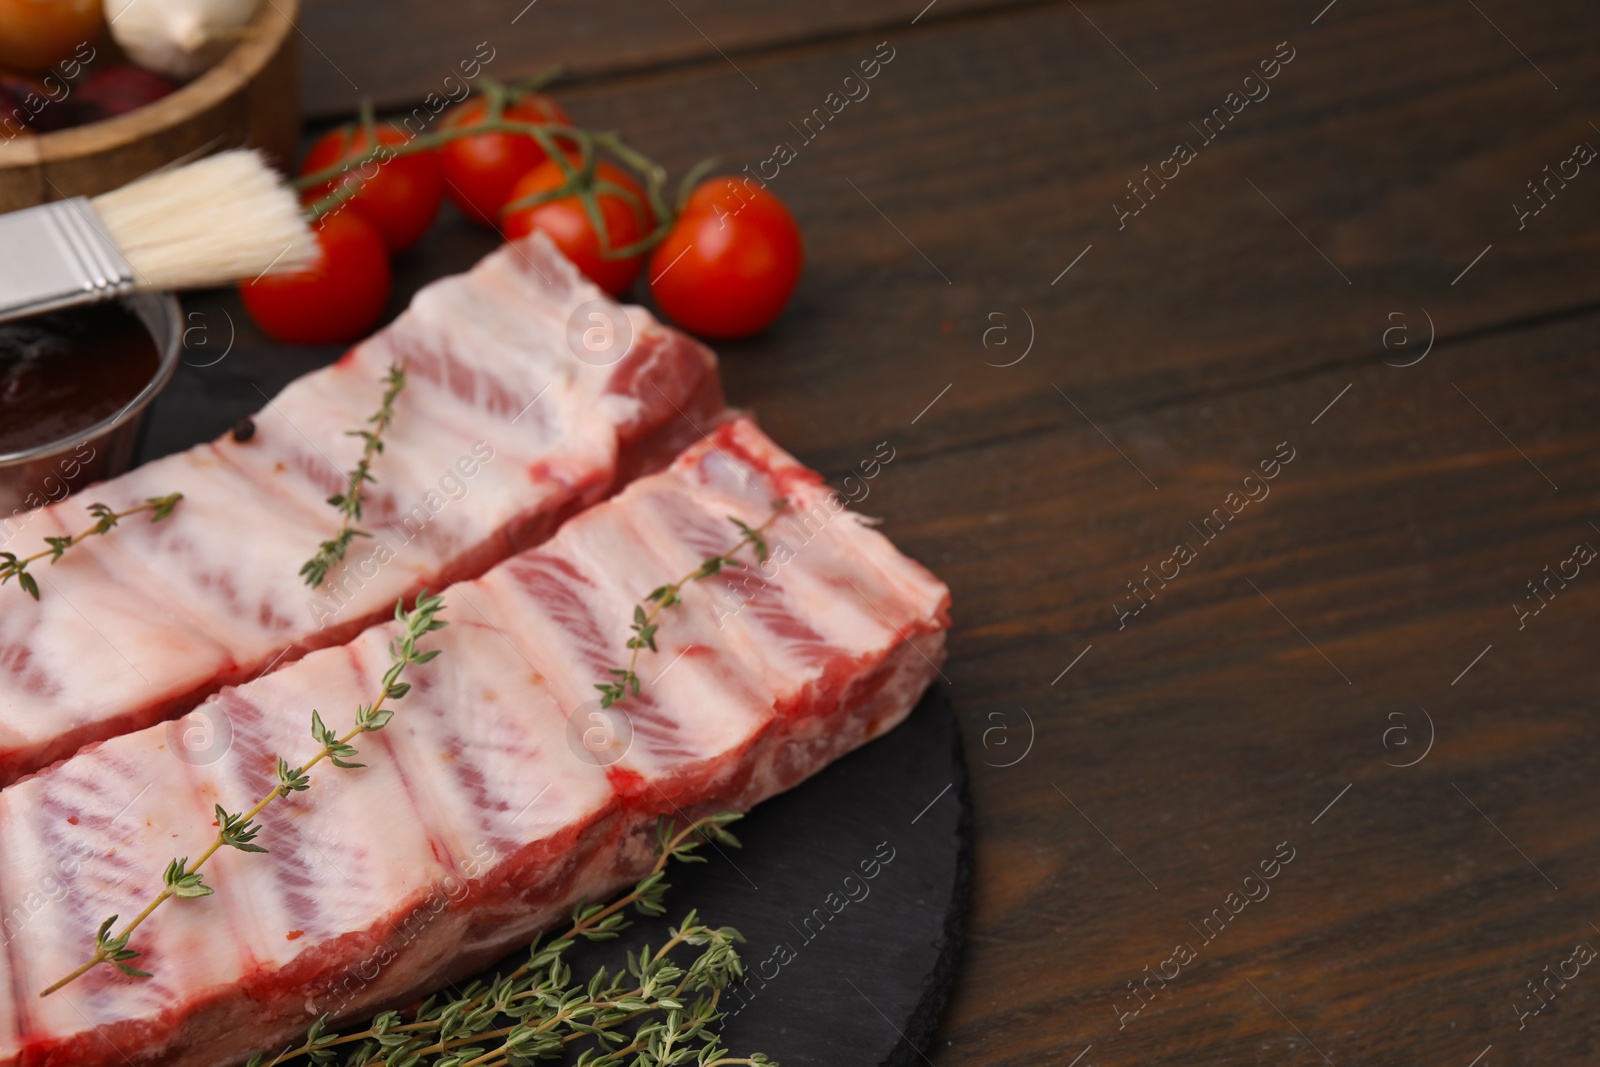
(220, 220)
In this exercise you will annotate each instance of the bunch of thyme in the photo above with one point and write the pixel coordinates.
(332, 551)
(238, 829)
(13, 566)
(654, 1012)
(644, 625)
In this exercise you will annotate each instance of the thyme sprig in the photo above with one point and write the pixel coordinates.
(642, 1010)
(239, 829)
(14, 566)
(645, 612)
(332, 551)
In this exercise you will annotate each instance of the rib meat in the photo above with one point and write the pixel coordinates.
(500, 434)
(498, 796)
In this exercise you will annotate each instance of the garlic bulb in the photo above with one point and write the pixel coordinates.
(178, 38)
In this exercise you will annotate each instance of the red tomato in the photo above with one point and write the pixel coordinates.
(729, 264)
(568, 224)
(335, 300)
(399, 195)
(480, 171)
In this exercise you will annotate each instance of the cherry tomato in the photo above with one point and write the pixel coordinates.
(480, 170)
(399, 195)
(568, 224)
(729, 264)
(37, 33)
(335, 300)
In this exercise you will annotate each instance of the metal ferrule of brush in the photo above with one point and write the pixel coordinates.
(58, 255)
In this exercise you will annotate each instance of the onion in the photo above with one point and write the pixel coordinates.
(34, 34)
(178, 38)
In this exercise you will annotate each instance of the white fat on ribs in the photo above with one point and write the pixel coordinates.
(497, 797)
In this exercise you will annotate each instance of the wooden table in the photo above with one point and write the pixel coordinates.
(1348, 669)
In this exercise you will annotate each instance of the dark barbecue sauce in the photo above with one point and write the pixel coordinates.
(63, 372)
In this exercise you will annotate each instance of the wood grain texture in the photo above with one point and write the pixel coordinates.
(250, 97)
(1373, 589)
(591, 39)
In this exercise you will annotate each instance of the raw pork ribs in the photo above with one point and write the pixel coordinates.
(501, 433)
(489, 805)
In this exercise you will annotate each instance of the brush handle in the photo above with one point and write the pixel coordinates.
(58, 255)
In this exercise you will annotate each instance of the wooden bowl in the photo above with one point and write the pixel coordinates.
(251, 97)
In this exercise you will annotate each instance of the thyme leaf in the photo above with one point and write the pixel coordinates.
(183, 880)
(645, 612)
(331, 553)
(238, 831)
(291, 779)
(116, 949)
(14, 566)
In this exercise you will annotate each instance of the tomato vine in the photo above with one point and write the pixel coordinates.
(559, 142)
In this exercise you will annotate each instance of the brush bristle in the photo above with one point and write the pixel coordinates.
(224, 219)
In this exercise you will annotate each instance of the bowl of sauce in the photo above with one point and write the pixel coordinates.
(74, 388)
